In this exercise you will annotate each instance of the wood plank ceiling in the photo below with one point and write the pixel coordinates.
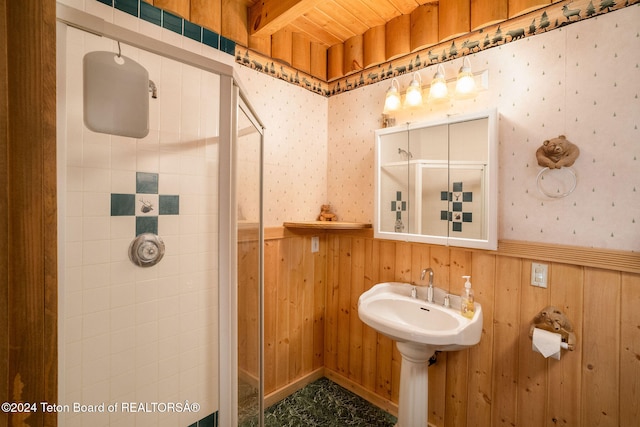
(330, 39)
(327, 22)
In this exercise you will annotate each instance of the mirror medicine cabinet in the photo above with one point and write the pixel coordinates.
(436, 182)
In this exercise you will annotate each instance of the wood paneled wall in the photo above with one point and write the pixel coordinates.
(294, 307)
(312, 321)
(28, 241)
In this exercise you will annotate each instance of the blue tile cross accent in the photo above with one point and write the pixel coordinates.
(146, 204)
(457, 197)
(398, 206)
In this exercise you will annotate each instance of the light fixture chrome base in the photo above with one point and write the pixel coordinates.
(388, 121)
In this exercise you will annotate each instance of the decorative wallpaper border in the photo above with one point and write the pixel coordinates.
(536, 22)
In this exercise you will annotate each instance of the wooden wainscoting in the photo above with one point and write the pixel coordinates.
(294, 307)
(311, 321)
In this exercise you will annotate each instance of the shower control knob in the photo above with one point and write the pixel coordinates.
(146, 250)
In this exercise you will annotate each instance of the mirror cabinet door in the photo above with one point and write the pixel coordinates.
(468, 195)
(431, 152)
(393, 183)
(436, 182)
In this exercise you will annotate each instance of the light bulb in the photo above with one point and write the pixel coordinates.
(413, 97)
(392, 99)
(392, 102)
(438, 90)
(466, 84)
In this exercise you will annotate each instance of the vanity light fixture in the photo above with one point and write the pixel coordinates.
(438, 91)
(413, 97)
(392, 99)
(466, 84)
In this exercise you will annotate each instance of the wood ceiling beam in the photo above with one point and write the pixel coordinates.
(269, 16)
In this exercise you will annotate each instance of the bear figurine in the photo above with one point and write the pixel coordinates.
(552, 319)
(326, 214)
(557, 152)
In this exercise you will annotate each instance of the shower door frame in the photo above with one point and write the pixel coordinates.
(232, 98)
(241, 103)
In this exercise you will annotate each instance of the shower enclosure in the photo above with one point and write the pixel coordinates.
(178, 342)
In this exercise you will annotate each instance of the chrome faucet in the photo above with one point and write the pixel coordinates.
(430, 289)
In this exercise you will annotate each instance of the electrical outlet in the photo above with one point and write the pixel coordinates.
(539, 274)
(315, 244)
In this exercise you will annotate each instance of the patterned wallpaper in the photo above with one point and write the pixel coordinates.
(295, 153)
(582, 81)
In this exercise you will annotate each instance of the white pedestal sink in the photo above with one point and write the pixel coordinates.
(419, 329)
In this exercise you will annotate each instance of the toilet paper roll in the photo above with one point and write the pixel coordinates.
(547, 343)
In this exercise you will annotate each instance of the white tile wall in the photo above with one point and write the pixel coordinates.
(134, 334)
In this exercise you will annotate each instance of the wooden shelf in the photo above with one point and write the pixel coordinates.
(328, 225)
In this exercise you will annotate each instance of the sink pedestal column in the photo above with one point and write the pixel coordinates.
(413, 400)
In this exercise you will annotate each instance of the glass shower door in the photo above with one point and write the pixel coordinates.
(250, 243)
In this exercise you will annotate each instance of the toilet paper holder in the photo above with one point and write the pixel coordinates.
(553, 319)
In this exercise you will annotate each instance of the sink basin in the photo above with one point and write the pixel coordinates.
(419, 329)
(389, 309)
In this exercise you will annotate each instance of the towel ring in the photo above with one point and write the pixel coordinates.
(557, 195)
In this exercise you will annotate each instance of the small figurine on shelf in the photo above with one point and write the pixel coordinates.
(326, 214)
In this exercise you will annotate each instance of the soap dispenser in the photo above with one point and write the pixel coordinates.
(467, 306)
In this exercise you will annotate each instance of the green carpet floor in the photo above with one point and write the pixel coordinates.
(324, 403)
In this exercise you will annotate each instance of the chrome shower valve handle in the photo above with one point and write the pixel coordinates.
(146, 250)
